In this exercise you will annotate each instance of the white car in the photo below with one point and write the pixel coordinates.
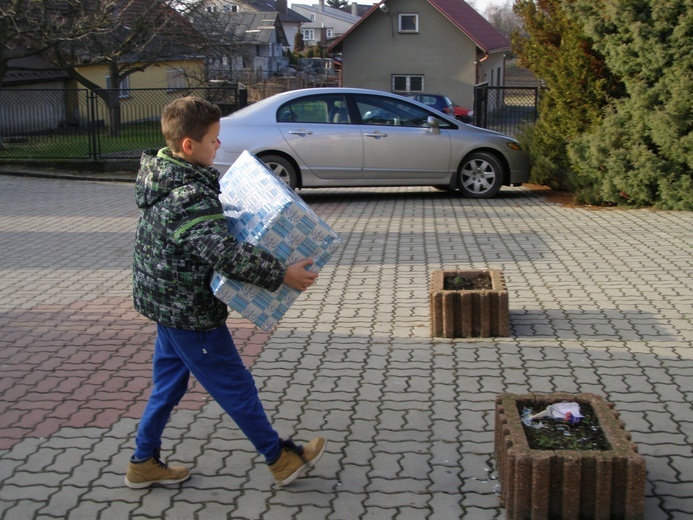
(346, 137)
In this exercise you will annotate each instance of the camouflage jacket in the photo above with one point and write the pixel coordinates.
(181, 239)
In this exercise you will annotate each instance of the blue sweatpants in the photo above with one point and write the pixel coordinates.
(213, 359)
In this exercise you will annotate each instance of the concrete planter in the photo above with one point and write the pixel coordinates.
(566, 484)
(467, 313)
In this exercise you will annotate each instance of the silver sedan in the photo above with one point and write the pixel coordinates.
(346, 137)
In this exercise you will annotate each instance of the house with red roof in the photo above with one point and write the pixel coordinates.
(423, 46)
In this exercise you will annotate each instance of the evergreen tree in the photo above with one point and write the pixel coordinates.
(615, 125)
(299, 43)
(642, 151)
(552, 44)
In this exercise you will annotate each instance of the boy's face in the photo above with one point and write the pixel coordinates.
(202, 152)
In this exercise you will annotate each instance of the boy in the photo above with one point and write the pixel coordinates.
(181, 238)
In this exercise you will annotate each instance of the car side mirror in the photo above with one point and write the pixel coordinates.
(433, 124)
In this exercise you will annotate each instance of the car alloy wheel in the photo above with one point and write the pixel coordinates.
(481, 176)
(282, 169)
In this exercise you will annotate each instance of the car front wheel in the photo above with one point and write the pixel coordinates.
(282, 169)
(481, 176)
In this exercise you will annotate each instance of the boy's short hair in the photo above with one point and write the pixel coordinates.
(189, 116)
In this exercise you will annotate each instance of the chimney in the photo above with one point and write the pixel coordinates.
(354, 8)
(282, 7)
(322, 5)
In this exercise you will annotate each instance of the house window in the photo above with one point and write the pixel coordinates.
(407, 83)
(175, 78)
(408, 23)
(312, 17)
(308, 34)
(328, 33)
(230, 8)
(124, 86)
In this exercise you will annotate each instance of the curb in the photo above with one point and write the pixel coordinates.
(70, 175)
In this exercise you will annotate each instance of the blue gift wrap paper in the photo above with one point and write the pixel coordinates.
(261, 209)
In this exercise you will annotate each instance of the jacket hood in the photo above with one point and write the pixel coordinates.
(160, 173)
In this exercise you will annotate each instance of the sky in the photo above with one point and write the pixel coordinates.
(479, 5)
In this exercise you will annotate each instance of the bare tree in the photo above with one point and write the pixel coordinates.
(137, 35)
(337, 4)
(32, 27)
(503, 18)
(125, 35)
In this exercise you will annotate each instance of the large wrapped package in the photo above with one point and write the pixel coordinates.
(261, 209)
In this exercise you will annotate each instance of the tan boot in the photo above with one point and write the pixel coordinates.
(153, 471)
(295, 460)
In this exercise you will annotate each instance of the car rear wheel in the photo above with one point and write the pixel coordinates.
(481, 176)
(282, 168)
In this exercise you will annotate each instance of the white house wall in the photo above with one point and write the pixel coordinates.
(492, 71)
(323, 19)
(291, 30)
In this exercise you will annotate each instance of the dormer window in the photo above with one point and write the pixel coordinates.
(312, 17)
(408, 23)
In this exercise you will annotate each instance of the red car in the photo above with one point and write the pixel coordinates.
(446, 106)
(465, 115)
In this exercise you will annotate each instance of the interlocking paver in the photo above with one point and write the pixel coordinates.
(600, 301)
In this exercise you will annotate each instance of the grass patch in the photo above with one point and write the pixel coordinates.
(80, 144)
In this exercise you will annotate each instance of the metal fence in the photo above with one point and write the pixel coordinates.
(82, 124)
(505, 109)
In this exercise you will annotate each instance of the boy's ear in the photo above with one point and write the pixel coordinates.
(186, 145)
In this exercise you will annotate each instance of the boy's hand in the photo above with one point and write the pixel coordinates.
(297, 277)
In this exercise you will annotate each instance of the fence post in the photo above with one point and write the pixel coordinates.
(480, 104)
(93, 125)
(242, 96)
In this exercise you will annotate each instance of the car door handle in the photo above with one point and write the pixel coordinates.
(375, 134)
(301, 132)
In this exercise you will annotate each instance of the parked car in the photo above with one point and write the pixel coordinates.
(343, 137)
(446, 106)
(466, 115)
(441, 103)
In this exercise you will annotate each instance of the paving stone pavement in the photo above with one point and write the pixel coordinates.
(601, 300)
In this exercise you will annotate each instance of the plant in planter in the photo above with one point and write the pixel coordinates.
(604, 479)
(469, 304)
